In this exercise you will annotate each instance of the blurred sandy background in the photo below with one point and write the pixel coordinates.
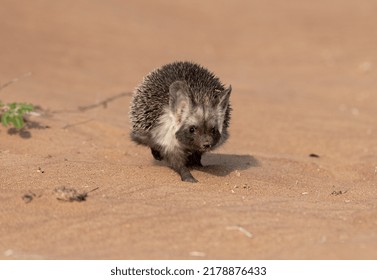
(304, 82)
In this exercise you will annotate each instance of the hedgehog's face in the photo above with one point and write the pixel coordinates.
(199, 131)
(199, 126)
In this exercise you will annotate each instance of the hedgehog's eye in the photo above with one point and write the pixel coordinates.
(213, 130)
(192, 129)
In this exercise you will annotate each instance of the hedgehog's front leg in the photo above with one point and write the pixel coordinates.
(186, 175)
(178, 163)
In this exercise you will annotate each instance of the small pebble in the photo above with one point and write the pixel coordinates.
(69, 194)
(28, 197)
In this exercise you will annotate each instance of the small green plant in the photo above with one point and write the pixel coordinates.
(13, 113)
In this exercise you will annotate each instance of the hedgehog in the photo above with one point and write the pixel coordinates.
(180, 111)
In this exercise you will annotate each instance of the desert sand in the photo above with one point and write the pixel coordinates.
(296, 180)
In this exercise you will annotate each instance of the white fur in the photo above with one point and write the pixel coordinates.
(200, 113)
(164, 133)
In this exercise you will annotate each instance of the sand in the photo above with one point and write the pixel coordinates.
(296, 180)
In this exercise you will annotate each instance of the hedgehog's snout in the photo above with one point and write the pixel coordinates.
(206, 143)
(206, 146)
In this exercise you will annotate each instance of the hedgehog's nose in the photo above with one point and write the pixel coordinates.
(206, 146)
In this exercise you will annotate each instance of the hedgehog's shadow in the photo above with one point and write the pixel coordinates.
(224, 164)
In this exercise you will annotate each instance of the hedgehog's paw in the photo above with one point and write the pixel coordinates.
(189, 178)
(186, 176)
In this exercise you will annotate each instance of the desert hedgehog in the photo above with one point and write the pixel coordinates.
(180, 111)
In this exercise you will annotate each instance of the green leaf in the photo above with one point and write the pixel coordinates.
(12, 106)
(18, 122)
(25, 108)
(28, 107)
(5, 119)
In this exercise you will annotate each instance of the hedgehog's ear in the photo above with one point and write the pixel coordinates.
(179, 100)
(224, 98)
